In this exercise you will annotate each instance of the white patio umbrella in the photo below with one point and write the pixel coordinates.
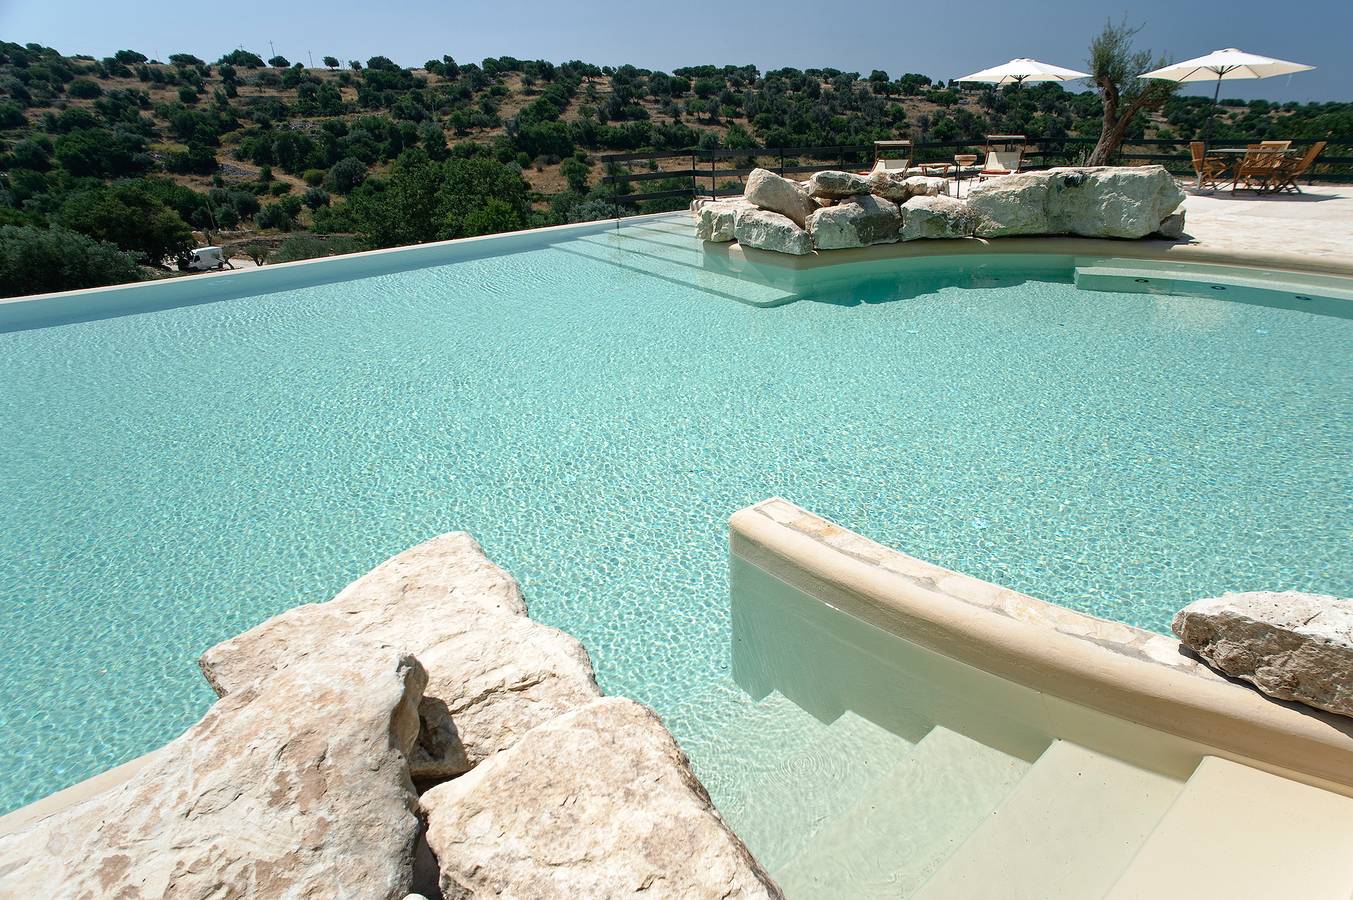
(1225, 65)
(1018, 71)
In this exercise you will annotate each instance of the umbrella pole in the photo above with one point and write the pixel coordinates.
(1212, 113)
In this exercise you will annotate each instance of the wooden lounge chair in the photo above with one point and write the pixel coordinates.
(1275, 145)
(1293, 168)
(1258, 166)
(1005, 155)
(892, 165)
(1209, 169)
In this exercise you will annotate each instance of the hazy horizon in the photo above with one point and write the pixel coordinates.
(879, 36)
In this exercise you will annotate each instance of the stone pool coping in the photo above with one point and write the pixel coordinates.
(1110, 668)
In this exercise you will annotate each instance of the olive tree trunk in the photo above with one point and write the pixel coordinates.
(1117, 118)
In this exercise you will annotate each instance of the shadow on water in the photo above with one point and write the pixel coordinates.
(902, 285)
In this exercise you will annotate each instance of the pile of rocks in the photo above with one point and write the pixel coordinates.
(835, 210)
(418, 731)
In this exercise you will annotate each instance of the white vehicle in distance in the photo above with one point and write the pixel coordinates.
(204, 258)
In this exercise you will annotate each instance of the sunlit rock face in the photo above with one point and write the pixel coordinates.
(270, 794)
(855, 222)
(599, 802)
(1289, 645)
(1105, 201)
(766, 230)
(493, 673)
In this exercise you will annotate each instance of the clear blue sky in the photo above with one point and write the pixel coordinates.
(954, 38)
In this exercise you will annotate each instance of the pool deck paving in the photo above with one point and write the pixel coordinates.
(1317, 222)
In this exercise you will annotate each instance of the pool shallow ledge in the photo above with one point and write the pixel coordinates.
(835, 621)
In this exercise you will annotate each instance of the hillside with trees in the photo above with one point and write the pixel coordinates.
(123, 164)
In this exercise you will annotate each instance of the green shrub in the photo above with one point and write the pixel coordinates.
(84, 88)
(280, 215)
(345, 175)
(279, 188)
(307, 246)
(315, 197)
(11, 114)
(313, 177)
(196, 160)
(128, 215)
(38, 260)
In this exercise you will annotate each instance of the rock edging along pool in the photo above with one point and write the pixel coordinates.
(594, 408)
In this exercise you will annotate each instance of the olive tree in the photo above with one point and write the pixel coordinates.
(1115, 66)
(34, 260)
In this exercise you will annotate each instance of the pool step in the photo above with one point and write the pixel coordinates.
(734, 741)
(781, 812)
(661, 256)
(1238, 832)
(1199, 280)
(1067, 830)
(905, 824)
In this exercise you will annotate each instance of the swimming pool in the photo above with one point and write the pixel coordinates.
(592, 411)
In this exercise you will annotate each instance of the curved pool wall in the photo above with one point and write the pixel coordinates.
(592, 403)
(837, 622)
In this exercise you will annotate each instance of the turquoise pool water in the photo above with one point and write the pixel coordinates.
(593, 417)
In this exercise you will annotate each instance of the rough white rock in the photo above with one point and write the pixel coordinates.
(767, 230)
(855, 222)
(836, 185)
(599, 802)
(493, 673)
(1104, 201)
(716, 221)
(900, 187)
(1172, 226)
(936, 217)
(926, 186)
(769, 191)
(1011, 205)
(1290, 645)
(264, 797)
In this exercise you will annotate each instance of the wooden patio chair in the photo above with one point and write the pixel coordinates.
(1209, 169)
(1275, 145)
(892, 165)
(1293, 168)
(1005, 155)
(1258, 166)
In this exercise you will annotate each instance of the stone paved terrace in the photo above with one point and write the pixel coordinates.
(1318, 221)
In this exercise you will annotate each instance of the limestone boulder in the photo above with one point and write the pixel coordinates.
(926, 186)
(264, 797)
(1172, 227)
(1289, 645)
(1011, 205)
(939, 216)
(493, 673)
(855, 222)
(599, 802)
(835, 185)
(715, 222)
(1103, 201)
(771, 192)
(767, 230)
(900, 187)
(1112, 201)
